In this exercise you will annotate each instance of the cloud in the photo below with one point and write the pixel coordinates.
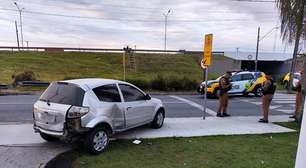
(114, 23)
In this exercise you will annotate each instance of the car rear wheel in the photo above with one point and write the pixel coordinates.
(258, 92)
(158, 120)
(48, 138)
(97, 140)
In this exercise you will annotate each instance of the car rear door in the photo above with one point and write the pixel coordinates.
(137, 109)
(246, 80)
(51, 108)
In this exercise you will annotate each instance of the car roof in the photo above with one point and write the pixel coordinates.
(91, 83)
(248, 72)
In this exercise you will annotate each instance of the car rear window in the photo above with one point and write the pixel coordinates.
(63, 93)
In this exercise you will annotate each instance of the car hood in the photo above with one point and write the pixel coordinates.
(209, 82)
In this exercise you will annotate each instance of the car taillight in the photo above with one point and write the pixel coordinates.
(77, 112)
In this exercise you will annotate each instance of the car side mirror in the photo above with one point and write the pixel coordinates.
(147, 97)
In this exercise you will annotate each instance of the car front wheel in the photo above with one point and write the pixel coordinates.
(97, 140)
(258, 92)
(158, 120)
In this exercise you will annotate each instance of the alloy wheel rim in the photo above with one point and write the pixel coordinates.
(100, 140)
(160, 119)
(259, 92)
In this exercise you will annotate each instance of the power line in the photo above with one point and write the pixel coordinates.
(124, 19)
(254, 1)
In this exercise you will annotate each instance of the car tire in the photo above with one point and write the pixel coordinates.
(97, 140)
(286, 85)
(158, 120)
(48, 138)
(258, 92)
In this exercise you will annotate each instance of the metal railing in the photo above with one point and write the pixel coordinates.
(66, 49)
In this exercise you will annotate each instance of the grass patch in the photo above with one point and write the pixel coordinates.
(292, 125)
(247, 151)
(70, 65)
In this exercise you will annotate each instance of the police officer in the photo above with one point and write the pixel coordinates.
(225, 86)
(268, 90)
(298, 99)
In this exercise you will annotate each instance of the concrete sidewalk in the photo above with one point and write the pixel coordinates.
(20, 147)
(23, 134)
(211, 126)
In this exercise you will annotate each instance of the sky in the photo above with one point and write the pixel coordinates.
(140, 23)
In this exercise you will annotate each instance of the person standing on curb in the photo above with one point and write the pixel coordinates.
(225, 86)
(298, 99)
(268, 90)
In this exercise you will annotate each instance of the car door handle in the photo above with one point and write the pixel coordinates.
(128, 108)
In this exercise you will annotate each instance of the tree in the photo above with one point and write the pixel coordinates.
(293, 28)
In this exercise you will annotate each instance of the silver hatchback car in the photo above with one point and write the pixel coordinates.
(94, 109)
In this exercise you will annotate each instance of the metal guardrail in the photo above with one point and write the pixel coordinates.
(34, 83)
(13, 48)
(3, 86)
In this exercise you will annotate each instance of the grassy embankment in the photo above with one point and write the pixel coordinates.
(69, 65)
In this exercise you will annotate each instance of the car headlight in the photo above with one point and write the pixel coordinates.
(77, 112)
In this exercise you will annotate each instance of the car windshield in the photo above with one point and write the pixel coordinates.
(63, 93)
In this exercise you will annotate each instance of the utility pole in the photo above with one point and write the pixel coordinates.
(256, 57)
(17, 35)
(27, 45)
(20, 19)
(166, 24)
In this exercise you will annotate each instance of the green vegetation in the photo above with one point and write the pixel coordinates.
(292, 125)
(245, 151)
(70, 65)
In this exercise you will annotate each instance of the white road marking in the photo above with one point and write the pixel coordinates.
(284, 102)
(16, 103)
(275, 107)
(173, 102)
(196, 105)
(286, 111)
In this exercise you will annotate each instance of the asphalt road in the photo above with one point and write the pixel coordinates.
(19, 108)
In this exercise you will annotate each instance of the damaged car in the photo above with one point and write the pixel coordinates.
(93, 110)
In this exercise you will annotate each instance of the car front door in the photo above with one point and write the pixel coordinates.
(236, 82)
(138, 110)
(110, 101)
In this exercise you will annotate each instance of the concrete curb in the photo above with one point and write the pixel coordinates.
(23, 134)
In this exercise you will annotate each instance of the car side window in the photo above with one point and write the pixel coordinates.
(247, 77)
(107, 93)
(130, 93)
(236, 78)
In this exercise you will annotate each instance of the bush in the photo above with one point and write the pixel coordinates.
(24, 76)
(159, 83)
(142, 84)
(173, 83)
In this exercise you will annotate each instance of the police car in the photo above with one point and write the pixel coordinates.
(296, 79)
(244, 82)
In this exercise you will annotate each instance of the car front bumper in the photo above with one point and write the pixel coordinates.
(209, 90)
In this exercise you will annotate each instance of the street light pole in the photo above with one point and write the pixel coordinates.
(260, 39)
(20, 19)
(166, 24)
(17, 36)
(256, 56)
